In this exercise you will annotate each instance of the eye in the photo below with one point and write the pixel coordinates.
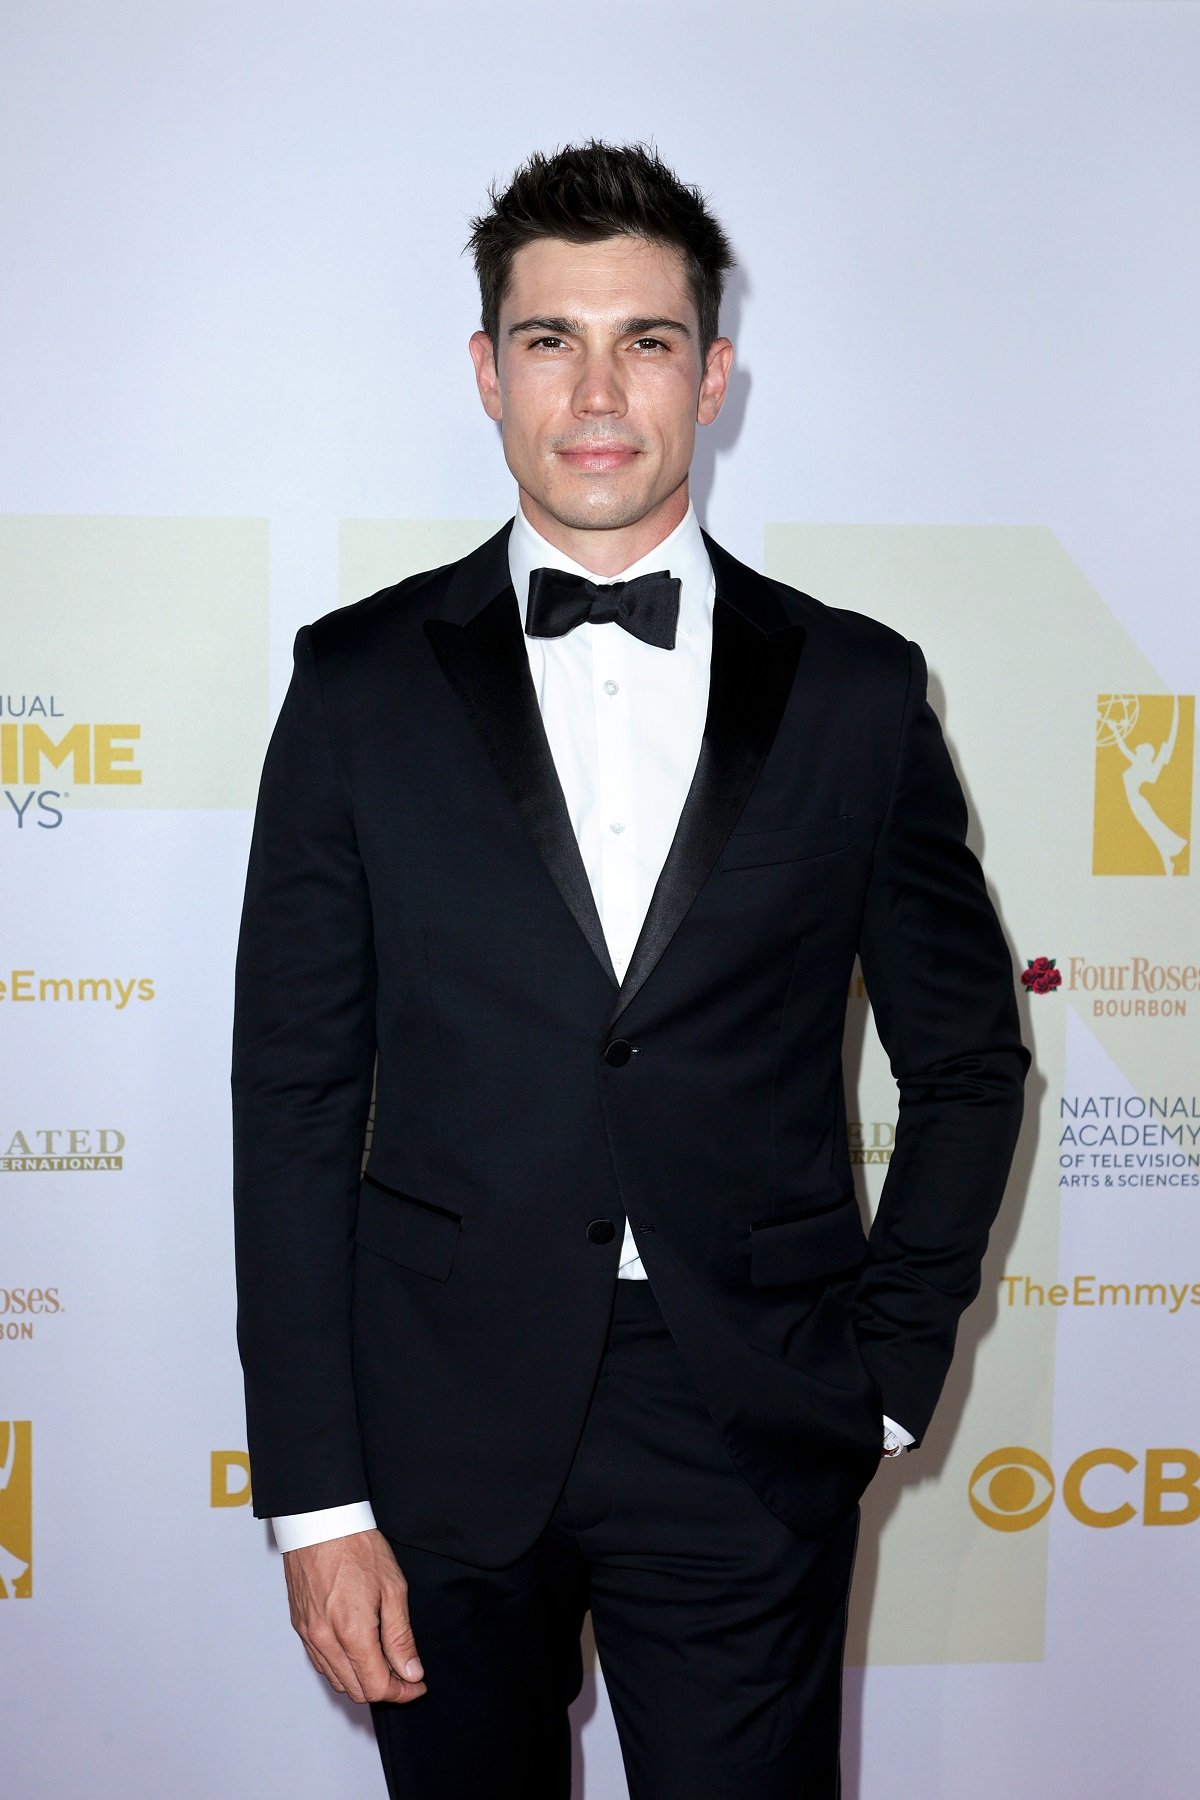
(649, 343)
(546, 343)
(1011, 1489)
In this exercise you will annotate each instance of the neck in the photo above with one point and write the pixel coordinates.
(609, 550)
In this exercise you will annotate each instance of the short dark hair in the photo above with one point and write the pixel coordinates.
(587, 192)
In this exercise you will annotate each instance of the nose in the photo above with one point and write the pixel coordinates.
(599, 391)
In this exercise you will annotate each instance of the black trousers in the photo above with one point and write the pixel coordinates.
(719, 1632)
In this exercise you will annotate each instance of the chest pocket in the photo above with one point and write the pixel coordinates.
(754, 849)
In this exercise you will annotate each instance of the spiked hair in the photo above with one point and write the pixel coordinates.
(587, 192)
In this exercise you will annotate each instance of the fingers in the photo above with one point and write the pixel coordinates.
(356, 1666)
(350, 1656)
(383, 1659)
(375, 1680)
(323, 1668)
(349, 1604)
(396, 1633)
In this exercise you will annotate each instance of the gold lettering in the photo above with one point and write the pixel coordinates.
(223, 1464)
(1072, 1489)
(108, 752)
(9, 768)
(1159, 1484)
(36, 744)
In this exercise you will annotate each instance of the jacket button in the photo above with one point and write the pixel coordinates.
(601, 1231)
(618, 1053)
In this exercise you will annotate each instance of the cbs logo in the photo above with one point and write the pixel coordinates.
(1013, 1489)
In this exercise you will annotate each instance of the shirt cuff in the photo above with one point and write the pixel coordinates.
(295, 1531)
(895, 1438)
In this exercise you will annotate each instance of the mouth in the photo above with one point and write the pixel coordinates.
(593, 459)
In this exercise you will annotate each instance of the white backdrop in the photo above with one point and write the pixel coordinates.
(237, 391)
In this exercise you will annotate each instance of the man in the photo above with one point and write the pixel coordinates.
(600, 1327)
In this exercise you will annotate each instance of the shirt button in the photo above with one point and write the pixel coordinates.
(616, 829)
(612, 687)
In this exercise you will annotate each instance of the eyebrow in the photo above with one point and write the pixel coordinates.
(574, 328)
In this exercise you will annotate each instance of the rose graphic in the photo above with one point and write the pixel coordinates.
(1042, 975)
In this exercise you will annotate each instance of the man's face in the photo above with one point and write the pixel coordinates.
(598, 383)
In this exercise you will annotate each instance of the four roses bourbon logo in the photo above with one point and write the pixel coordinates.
(1042, 975)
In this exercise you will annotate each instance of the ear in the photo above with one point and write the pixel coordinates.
(714, 381)
(487, 379)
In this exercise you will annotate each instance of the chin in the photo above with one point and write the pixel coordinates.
(614, 510)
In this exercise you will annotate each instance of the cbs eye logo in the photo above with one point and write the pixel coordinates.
(1014, 1488)
(1011, 1489)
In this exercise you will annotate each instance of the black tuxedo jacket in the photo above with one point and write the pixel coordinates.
(417, 913)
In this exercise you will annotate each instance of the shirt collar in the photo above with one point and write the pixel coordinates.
(681, 551)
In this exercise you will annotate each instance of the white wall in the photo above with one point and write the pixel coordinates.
(233, 291)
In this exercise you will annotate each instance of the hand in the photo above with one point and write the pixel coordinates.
(349, 1604)
(895, 1439)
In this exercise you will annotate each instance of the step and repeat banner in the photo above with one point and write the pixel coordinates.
(238, 395)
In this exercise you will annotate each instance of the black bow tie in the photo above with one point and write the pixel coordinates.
(647, 606)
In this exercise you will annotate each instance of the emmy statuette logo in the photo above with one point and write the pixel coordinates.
(16, 1509)
(1143, 809)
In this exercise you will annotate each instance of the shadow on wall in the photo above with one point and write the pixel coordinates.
(882, 1498)
(583, 1709)
(716, 440)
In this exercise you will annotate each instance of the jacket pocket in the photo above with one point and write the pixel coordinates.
(808, 1246)
(411, 1232)
(752, 849)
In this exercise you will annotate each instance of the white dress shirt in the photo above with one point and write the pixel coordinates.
(624, 722)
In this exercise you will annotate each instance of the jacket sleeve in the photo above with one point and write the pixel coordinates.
(939, 977)
(303, 1063)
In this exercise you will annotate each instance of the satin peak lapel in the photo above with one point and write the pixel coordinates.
(753, 668)
(486, 664)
